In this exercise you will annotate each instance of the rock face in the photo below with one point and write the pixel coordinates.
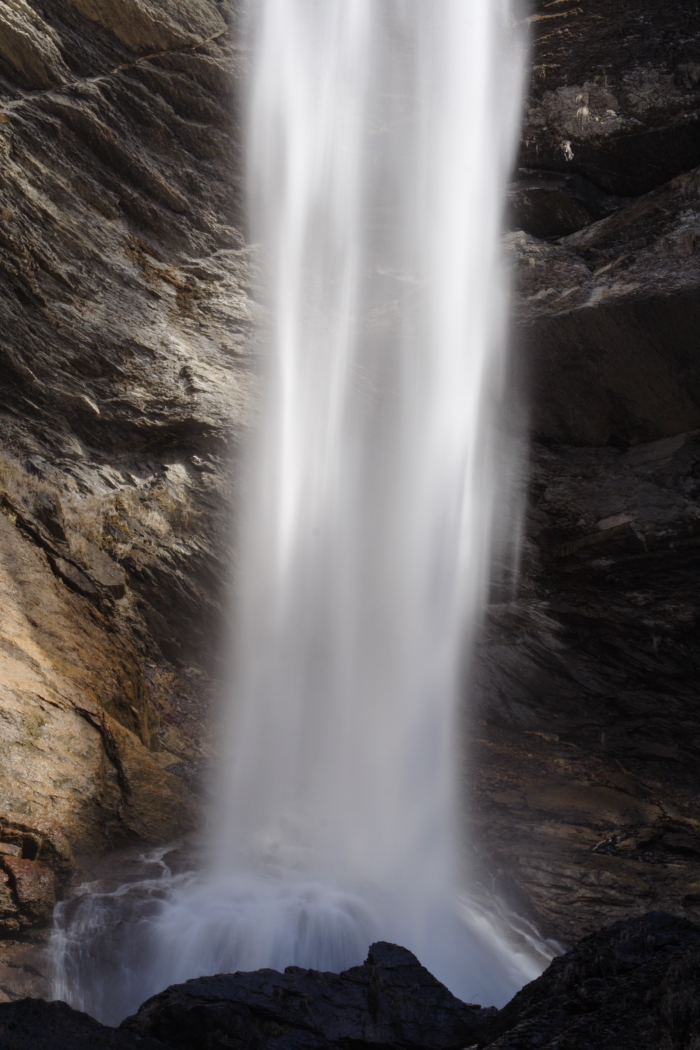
(607, 322)
(389, 1001)
(615, 92)
(632, 986)
(125, 322)
(587, 779)
(126, 380)
(629, 987)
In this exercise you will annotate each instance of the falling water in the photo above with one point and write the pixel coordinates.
(380, 137)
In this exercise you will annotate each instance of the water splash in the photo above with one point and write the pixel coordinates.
(380, 136)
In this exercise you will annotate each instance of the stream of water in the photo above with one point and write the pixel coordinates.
(380, 137)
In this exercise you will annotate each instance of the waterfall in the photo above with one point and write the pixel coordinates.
(379, 142)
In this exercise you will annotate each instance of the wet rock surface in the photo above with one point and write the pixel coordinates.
(127, 380)
(585, 761)
(587, 686)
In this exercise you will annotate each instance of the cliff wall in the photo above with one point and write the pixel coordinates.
(127, 377)
(588, 747)
(124, 379)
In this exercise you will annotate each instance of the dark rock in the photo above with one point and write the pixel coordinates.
(607, 322)
(549, 204)
(614, 94)
(73, 577)
(632, 986)
(33, 1024)
(588, 682)
(390, 1001)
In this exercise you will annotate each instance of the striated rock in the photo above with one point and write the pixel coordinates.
(76, 729)
(629, 987)
(607, 322)
(589, 678)
(156, 25)
(123, 299)
(125, 377)
(128, 379)
(389, 1001)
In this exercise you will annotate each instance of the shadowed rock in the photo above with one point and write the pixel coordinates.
(389, 1001)
(632, 986)
(614, 92)
(54, 1026)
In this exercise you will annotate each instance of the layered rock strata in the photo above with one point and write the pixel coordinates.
(614, 93)
(125, 321)
(588, 790)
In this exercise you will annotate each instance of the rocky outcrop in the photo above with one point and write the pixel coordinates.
(632, 986)
(607, 322)
(123, 307)
(585, 758)
(389, 1001)
(629, 987)
(597, 659)
(127, 378)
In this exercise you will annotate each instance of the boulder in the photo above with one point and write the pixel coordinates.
(389, 1001)
(630, 986)
(36, 1024)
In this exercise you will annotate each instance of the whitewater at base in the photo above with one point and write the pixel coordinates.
(112, 950)
(380, 136)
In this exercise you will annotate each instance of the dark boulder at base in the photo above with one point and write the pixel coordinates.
(632, 986)
(33, 1024)
(389, 1001)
